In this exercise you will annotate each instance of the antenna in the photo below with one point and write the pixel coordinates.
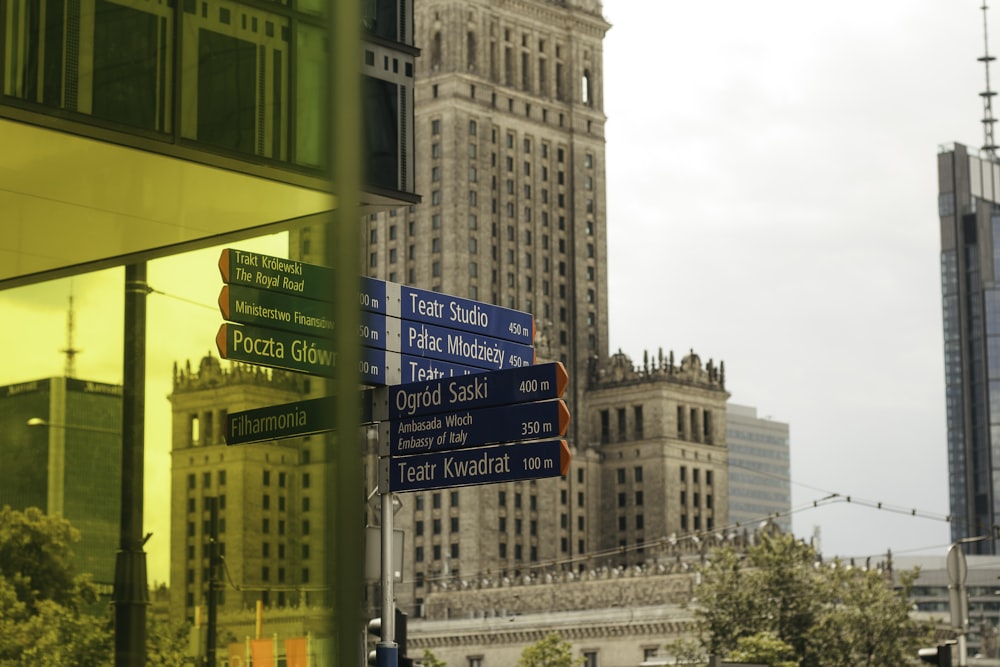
(989, 147)
(69, 350)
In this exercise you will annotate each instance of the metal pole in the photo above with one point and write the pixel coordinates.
(213, 567)
(131, 595)
(388, 658)
(346, 506)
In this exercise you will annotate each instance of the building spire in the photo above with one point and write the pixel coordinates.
(69, 350)
(989, 146)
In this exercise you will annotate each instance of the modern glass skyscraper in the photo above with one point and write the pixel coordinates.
(759, 468)
(969, 191)
(61, 452)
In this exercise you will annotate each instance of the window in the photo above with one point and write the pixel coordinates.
(435, 127)
(708, 477)
(638, 473)
(638, 498)
(590, 659)
(621, 475)
(621, 500)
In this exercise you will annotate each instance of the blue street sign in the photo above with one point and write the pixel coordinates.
(379, 368)
(427, 340)
(473, 428)
(453, 312)
(481, 465)
(516, 385)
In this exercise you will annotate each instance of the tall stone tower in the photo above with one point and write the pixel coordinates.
(509, 135)
(269, 496)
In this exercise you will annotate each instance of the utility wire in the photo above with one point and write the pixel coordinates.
(153, 290)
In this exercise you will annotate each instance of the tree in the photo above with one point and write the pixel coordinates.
(770, 589)
(829, 615)
(44, 601)
(36, 556)
(550, 651)
(764, 648)
(166, 642)
(865, 622)
(431, 660)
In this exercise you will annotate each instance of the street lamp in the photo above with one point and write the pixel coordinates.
(38, 421)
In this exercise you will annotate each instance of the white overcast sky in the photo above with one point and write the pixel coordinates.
(772, 204)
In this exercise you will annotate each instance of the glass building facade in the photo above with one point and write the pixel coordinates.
(67, 462)
(969, 190)
(245, 80)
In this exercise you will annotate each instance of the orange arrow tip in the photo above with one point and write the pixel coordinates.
(224, 302)
(564, 457)
(563, 417)
(562, 378)
(220, 341)
(224, 264)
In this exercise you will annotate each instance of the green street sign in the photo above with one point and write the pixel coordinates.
(274, 274)
(247, 305)
(278, 349)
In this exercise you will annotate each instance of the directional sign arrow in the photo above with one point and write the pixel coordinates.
(247, 305)
(428, 340)
(239, 267)
(287, 420)
(515, 385)
(473, 428)
(482, 465)
(454, 312)
(312, 281)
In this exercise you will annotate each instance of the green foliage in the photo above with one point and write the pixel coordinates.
(764, 648)
(43, 600)
(36, 556)
(46, 606)
(550, 651)
(166, 642)
(827, 615)
(431, 660)
(686, 651)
